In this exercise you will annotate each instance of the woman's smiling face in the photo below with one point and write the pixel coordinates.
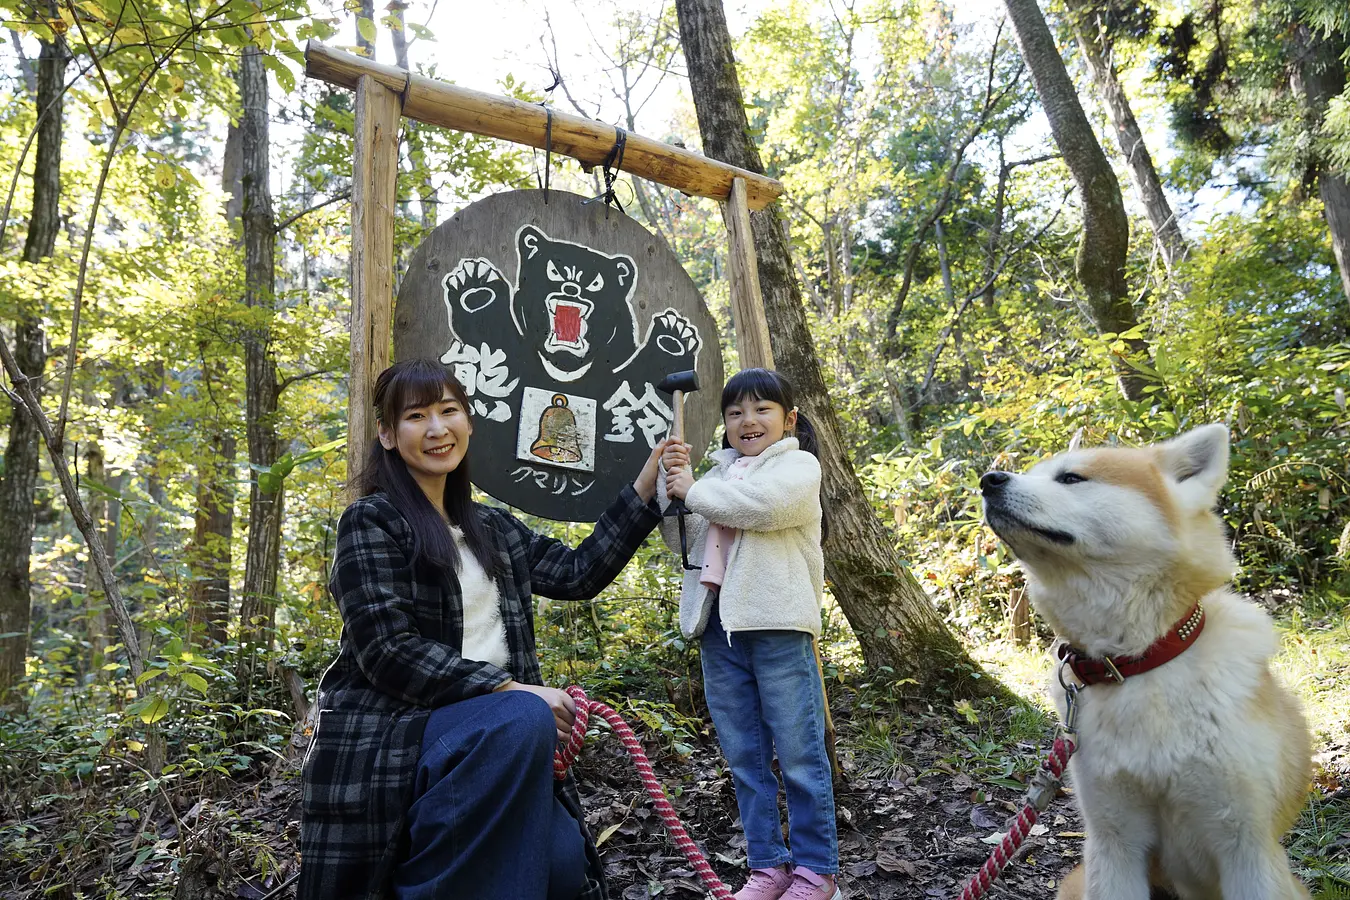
(432, 440)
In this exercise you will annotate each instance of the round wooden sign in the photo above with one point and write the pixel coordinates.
(561, 319)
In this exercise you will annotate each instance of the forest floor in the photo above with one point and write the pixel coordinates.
(925, 794)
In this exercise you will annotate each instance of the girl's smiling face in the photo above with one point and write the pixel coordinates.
(753, 425)
(431, 439)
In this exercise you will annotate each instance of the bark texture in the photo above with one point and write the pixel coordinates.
(209, 554)
(1100, 262)
(1318, 74)
(1097, 49)
(895, 623)
(20, 474)
(258, 606)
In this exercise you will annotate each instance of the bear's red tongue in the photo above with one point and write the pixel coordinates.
(567, 323)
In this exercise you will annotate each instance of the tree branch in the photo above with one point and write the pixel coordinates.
(303, 376)
(991, 101)
(336, 198)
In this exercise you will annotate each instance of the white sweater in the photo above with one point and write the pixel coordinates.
(484, 638)
(775, 574)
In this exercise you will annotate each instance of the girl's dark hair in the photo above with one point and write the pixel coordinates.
(407, 384)
(766, 384)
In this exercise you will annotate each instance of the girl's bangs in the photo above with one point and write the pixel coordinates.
(754, 384)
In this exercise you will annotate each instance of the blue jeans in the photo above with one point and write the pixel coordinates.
(484, 822)
(764, 692)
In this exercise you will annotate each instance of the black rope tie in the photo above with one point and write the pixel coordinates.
(610, 169)
(407, 86)
(548, 149)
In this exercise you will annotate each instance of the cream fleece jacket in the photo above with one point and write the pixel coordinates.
(775, 574)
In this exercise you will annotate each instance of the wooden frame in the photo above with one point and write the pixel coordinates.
(384, 93)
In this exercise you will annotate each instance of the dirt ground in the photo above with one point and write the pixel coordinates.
(921, 830)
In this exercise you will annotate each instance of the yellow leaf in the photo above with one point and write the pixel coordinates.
(607, 833)
(176, 84)
(129, 35)
(135, 746)
(165, 177)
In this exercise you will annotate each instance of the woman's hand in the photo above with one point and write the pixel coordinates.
(645, 483)
(563, 706)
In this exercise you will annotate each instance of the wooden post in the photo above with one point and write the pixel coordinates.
(374, 169)
(747, 303)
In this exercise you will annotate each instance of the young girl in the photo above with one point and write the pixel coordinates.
(756, 526)
(431, 770)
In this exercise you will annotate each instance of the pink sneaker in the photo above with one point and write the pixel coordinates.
(765, 884)
(807, 885)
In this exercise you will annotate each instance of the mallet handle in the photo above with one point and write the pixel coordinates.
(677, 431)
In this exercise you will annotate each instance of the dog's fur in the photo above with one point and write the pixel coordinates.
(1194, 769)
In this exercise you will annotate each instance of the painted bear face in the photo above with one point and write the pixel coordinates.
(572, 303)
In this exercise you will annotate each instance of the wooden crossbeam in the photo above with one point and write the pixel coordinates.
(451, 106)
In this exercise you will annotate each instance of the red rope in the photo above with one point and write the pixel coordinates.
(1020, 827)
(1053, 767)
(562, 761)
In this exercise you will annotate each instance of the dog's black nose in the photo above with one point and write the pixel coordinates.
(993, 482)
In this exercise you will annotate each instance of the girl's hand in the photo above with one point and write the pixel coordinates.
(676, 455)
(645, 483)
(563, 706)
(679, 481)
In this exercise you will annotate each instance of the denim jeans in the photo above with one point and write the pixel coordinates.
(484, 822)
(765, 695)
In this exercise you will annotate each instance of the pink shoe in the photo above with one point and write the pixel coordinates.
(807, 885)
(765, 884)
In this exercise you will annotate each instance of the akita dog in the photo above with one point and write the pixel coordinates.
(1192, 759)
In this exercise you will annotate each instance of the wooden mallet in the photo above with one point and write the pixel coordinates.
(677, 384)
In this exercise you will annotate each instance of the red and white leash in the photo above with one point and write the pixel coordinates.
(562, 761)
(1042, 791)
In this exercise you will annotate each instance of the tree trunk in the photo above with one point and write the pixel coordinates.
(1317, 76)
(258, 607)
(209, 555)
(18, 482)
(895, 623)
(426, 193)
(106, 514)
(365, 9)
(1102, 248)
(1097, 49)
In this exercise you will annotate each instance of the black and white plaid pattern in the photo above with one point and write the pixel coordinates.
(399, 659)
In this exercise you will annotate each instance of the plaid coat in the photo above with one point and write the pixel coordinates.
(399, 659)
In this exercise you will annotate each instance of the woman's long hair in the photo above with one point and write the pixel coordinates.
(407, 384)
(766, 384)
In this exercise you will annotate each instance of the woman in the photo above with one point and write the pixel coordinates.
(430, 773)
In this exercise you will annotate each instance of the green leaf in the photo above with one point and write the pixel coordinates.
(285, 77)
(148, 674)
(366, 28)
(195, 681)
(155, 710)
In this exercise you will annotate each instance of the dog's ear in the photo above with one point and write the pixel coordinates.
(1197, 462)
(1075, 442)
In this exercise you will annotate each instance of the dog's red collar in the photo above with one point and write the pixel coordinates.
(1091, 670)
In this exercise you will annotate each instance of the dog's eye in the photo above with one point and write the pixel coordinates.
(1069, 478)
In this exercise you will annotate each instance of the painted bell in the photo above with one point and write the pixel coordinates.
(558, 441)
